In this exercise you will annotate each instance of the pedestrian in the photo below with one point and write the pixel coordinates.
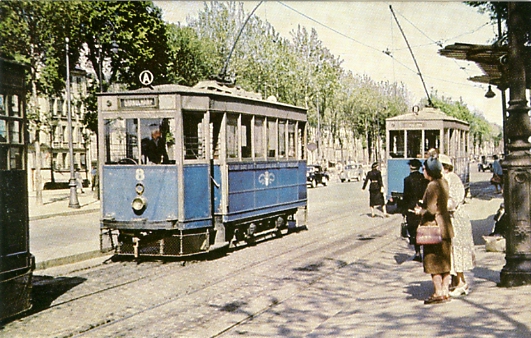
(376, 198)
(437, 257)
(414, 187)
(497, 175)
(94, 174)
(463, 254)
(79, 181)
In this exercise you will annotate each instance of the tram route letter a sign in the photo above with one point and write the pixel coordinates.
(146, 77)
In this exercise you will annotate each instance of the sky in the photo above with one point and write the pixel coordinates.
(358, 32)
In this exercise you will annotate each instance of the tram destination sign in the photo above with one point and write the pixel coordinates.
(139, 102)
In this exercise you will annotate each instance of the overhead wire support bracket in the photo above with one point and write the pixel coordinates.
(413, 56)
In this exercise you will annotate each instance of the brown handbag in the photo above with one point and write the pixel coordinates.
(429, 233)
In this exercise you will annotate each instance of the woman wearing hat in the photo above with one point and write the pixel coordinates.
(463, 256)
(437, 257)
(376, 198)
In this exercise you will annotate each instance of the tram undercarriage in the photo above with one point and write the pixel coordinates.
(181, 243)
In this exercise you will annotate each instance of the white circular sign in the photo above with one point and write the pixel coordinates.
(146, 77)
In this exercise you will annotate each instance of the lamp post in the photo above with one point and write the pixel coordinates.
(517, 163)
(73, 203)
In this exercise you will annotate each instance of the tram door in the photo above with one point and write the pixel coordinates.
(16, 262)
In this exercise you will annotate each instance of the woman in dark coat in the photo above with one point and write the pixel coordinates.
(437, 257)
(376, 198)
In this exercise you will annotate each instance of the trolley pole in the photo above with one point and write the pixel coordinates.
(517, 164)
(73, 203)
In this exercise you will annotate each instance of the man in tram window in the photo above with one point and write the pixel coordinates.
(154, 147)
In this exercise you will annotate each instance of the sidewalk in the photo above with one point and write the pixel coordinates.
(55, 203)
(54, 244)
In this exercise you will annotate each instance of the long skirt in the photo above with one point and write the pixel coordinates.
(437, 257)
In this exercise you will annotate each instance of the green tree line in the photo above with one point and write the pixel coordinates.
(123, 38)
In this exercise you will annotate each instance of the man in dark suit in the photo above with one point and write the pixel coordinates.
(154, 148)
(414, 186)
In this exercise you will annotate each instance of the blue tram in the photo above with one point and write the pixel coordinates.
(412, 135)
(189, 170)
(16, 261)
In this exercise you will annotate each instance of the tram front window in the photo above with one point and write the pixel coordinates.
(156, 147)
(396, 146)
(414, 143)
(431, 140)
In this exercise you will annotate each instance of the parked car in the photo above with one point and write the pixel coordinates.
(352, 172)
(316, 175)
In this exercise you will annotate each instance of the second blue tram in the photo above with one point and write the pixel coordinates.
(412, 135)
(188, 170)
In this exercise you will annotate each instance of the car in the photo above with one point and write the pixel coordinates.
(352, 172)
(316, 175)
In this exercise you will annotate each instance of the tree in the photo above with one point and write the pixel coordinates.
(34, 32)
(189, 56)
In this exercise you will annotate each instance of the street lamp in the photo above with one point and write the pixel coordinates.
(73, 203)
(490, 94)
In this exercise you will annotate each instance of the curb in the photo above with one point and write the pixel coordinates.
(64, 213)
(70, 259)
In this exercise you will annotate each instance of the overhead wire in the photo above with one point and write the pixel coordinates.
(387, 51)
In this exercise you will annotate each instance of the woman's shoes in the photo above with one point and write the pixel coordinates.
(459, 291)
(437, 299)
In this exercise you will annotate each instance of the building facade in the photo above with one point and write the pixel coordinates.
(53, 137)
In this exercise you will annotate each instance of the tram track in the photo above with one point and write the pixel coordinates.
(379, 231)
(342, 240)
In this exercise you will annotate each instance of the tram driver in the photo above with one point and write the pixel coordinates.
(154, 147)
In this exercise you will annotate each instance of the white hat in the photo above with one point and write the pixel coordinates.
(445, 159)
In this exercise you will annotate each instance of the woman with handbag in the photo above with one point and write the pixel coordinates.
(437, 257)
(463, 254)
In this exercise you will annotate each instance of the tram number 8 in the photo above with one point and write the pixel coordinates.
(140, 175)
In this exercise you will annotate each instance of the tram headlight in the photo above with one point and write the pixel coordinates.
(139, 204)
(139, 188)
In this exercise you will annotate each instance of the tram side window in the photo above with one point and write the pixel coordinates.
(158, 141)
(259, 137)
(431, 140)
(194, 138)
(246, 136)
(282, 139)
(232, 136)
(271, 138)
(291, 139)
(300, 141)
(414, 143)
(215, 134)
(396, 143)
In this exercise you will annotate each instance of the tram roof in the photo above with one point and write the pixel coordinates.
(426, 114)
(203, 88)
